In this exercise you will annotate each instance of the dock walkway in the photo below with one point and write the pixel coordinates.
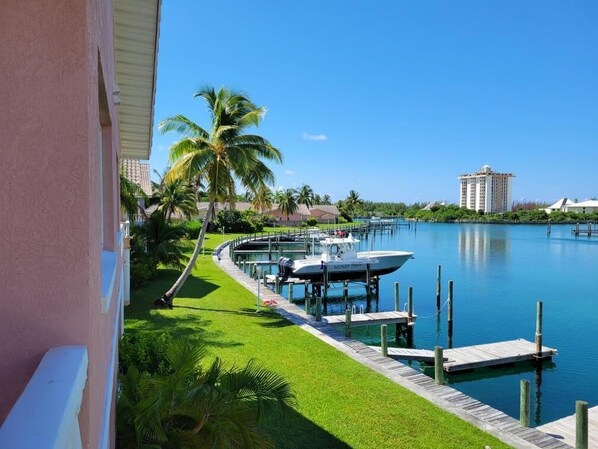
(476, 356)
(564, 428)
(370, 319)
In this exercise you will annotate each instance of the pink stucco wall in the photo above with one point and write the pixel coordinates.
(50, 248)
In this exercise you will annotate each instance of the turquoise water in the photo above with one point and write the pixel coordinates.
(499, 272)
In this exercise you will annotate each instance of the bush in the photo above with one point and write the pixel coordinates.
(192, 229)
(146, 351)
(143, 269)
(311, 222)
(342, 220)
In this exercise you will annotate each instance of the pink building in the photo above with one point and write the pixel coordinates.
(77, 83)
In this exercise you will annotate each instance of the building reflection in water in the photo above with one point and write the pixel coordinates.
(482, 244)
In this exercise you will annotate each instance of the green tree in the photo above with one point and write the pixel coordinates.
(196, 407)
(220, 157)
(326, 200)
(305, 195)
(130, 193)
(163, 240)
(263, 199)
(177, 196)
(352, 202)
(287, 202)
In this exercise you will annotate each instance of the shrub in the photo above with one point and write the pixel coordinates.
(147, 352)
(311, 222)
(143, 269)
(192, 229)
(342, 220)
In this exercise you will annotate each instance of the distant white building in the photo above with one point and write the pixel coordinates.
(585, 207)
(560, 206)
(486, 190)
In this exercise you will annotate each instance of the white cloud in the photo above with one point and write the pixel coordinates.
(289, 172)
(314, 137)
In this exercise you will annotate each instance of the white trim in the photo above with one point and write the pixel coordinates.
(46, 415)
(110, 269)
(105, 437)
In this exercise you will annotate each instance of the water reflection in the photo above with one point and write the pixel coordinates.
(478, 244)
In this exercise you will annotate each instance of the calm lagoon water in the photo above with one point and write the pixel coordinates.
(499, 272)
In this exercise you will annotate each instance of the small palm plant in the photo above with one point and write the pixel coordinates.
(196, 407)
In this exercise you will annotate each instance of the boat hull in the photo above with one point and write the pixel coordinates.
(380, 263)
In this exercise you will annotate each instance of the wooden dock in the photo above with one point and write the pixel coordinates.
(371, 319)
(477, 356)
(564, 428)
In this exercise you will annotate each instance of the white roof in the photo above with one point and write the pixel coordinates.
(589, 203)
(560, 203)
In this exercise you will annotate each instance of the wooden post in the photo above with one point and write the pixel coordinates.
(325, 282)
(244, 266)
(305, 289)
(348, 323)
(397, 303)
(539, 329)
(345, 289)
(291, 292)
(524, 403)
(450, 309)
(308, 304)
(438, 287)
(438, 365)
(581, 425)
(269, 249)
(384, 340)
(409, 316)
(368, 293)
(265, 280)
(277, 284)
(318, 308)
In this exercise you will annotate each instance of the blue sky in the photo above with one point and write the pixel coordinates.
(396, 99)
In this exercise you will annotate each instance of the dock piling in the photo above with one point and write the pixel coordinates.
(308, 304)
(348, 323)
(524, 403)
(581, 425)
(291, 292)
(438, 287)
(410, 317)
(318, 308)
(450, 309)
(384, 340)
(438, 365)
(539, 328)
(397, 304)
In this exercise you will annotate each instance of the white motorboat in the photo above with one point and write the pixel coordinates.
(342, 262)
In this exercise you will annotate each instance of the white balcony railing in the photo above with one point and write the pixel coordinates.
(46, 415)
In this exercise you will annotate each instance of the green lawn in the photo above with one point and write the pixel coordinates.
(340, 403)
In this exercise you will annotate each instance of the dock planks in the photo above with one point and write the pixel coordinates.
(477, 356)
(564, 428)
(491, 354)
(370, 319)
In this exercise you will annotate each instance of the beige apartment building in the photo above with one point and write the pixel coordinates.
(486, 190)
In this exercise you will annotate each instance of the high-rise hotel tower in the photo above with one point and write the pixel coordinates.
(486, 190)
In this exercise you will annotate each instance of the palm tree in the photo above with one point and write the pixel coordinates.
(129, 194)
(163, 241)
(326, 200)
(177, 196)
(305, 195)
(352, 202)
(220, 157)
(195, 407)
(262, 200)
(287, 202)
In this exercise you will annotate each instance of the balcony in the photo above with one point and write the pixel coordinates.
(46, 416)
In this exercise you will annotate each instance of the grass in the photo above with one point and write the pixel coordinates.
(340, 403)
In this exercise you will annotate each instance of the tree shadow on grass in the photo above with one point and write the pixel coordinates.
(296, 431)
(277, 322)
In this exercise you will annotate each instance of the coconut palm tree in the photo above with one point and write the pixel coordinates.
(129, 195)
(352, 202)
(177, 196)
(305, 195)
(197, 407)
(220, 157)
(326, 200)
(287, 202)
(262, 200)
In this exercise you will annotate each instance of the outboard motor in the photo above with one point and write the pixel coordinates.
(285, 268)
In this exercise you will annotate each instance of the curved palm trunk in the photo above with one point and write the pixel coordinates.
(166, 299)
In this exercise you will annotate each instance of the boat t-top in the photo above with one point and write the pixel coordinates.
(342, 262)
